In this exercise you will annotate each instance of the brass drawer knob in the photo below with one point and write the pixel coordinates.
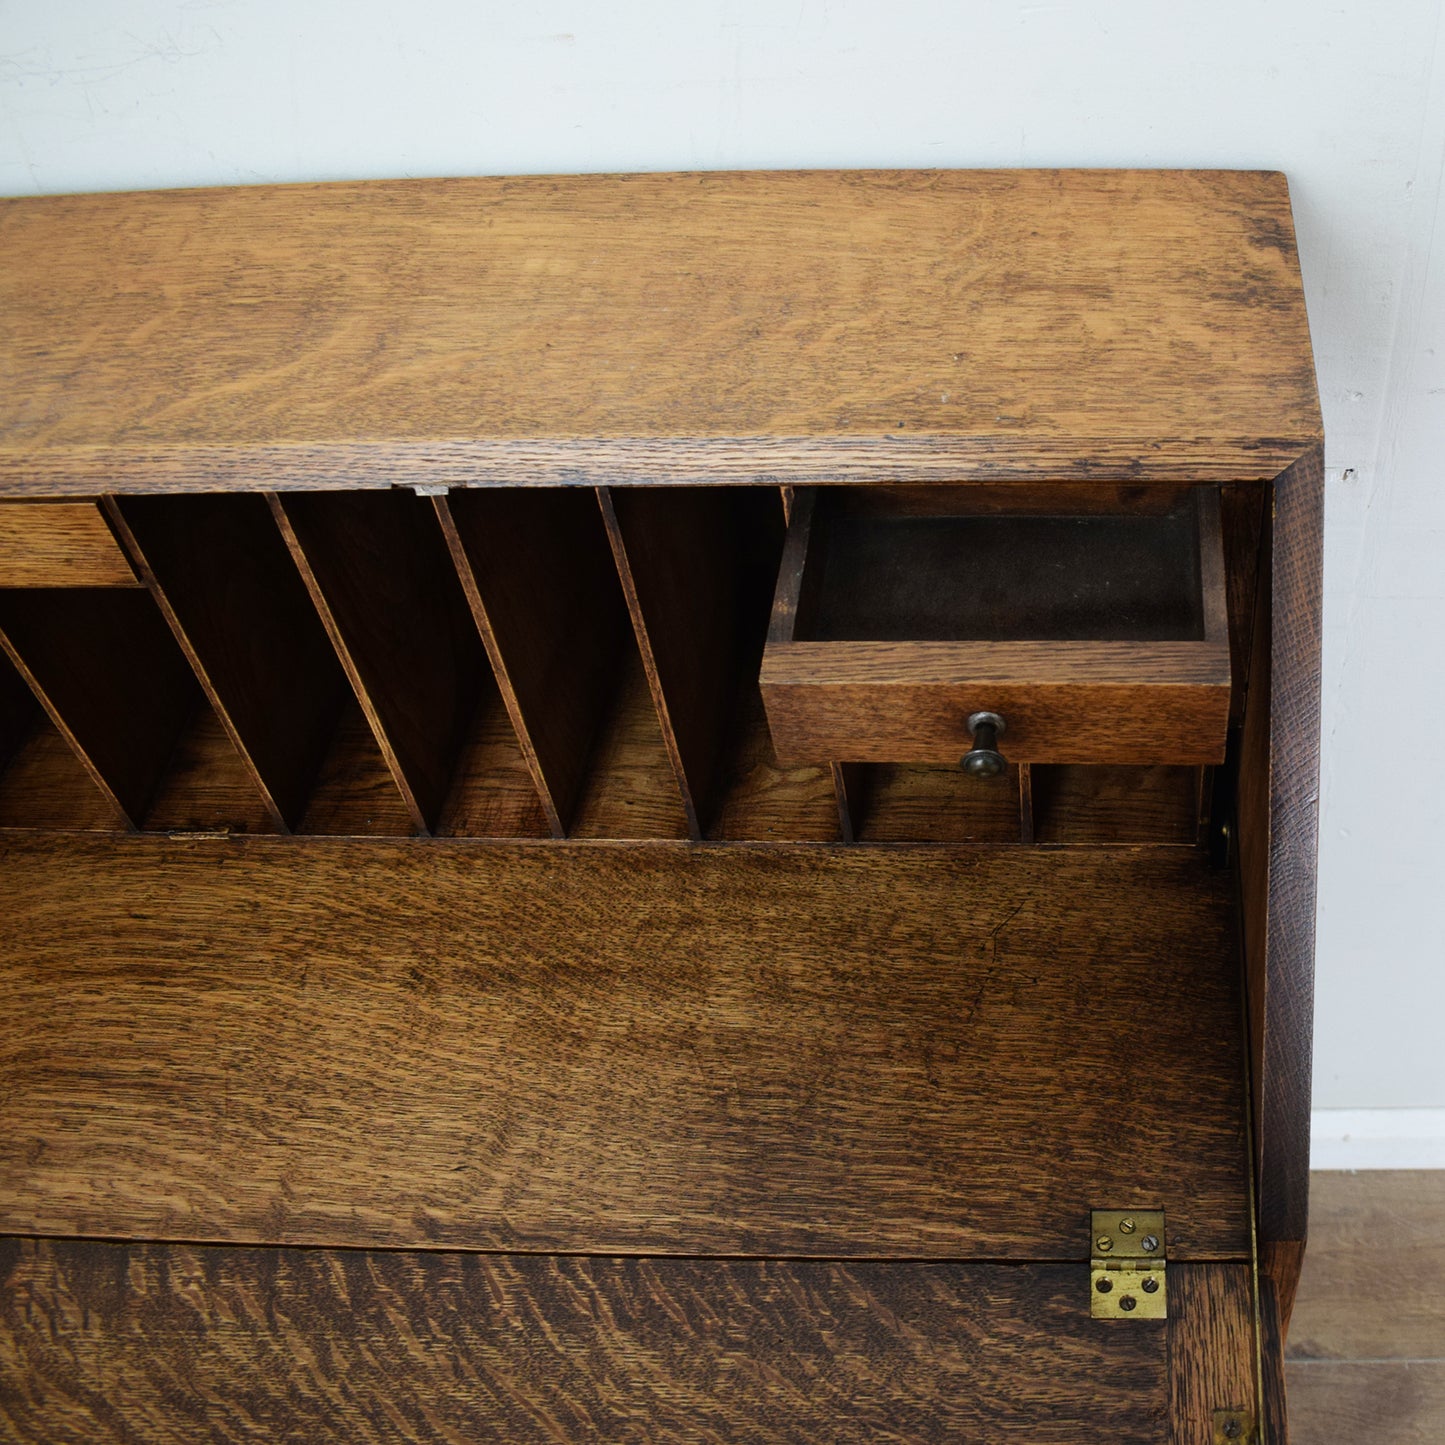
(983, 759)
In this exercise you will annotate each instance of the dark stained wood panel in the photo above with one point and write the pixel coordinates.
(109, 675)
(784, 328)
(109, 1342)
(648, 1049)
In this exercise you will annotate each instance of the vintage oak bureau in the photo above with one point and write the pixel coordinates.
(672, 807)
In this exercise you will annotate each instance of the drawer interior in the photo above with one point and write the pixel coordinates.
(881, 575)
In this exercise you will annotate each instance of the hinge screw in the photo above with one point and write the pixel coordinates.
(1128, 1302)
(1149, 1243)
(1150, 1285)
(1104, 1285)
(1104, 1243)
(1126, 1226)
(1233, 1429)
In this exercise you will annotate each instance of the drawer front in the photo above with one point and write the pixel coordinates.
(60, 544)
(1100, 703)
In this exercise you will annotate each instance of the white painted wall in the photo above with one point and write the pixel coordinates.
(1348, 98)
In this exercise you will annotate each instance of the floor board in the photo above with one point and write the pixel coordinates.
(1366, 1354)
(613, 1048)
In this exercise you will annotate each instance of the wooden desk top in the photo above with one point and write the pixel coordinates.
(769, 327)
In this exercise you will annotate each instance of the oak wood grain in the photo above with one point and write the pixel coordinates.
(654, 1049)
(105, 668)
(763, 801)
(45, 785)
(538, 575)
(783, 328)
(630, 789)
(221, 574)
(698, 567)
(1115, 805)
(377, 569)
(106, 1342)
(493, 794)
(354, 794)
(60, 544)
(206, 786)
(1213, 1363)
(919, 803)
(1278, 824)
(1064, 702)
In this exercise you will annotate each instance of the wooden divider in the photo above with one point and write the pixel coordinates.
(534, 565)
(103, 665)
(698, 565)
(221, 572)
(376, 567)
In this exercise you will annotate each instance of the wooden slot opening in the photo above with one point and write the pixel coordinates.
(1116, 805)
(111, 679)
(43, 783)
(932, 803)
(377, 567)
(698, 566)
(538, 574)
(224, 578)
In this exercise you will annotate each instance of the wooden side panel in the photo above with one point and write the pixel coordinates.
(222, 574)
(698, 567)
(60, 544)
(1278, 827)
(542, 589)
(109, 675)
(376, 566)
(177, 1345)
(656, 1049)
(1213, 1358)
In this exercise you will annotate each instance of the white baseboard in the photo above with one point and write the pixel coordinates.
(1377, 1139)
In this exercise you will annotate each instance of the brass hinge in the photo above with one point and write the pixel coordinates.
(1233, 1427)
(1126, 1265)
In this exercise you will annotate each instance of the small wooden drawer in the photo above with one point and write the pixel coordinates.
(60, 544)
(1099, 633)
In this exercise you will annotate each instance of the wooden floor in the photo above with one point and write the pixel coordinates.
(1366, 1357)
